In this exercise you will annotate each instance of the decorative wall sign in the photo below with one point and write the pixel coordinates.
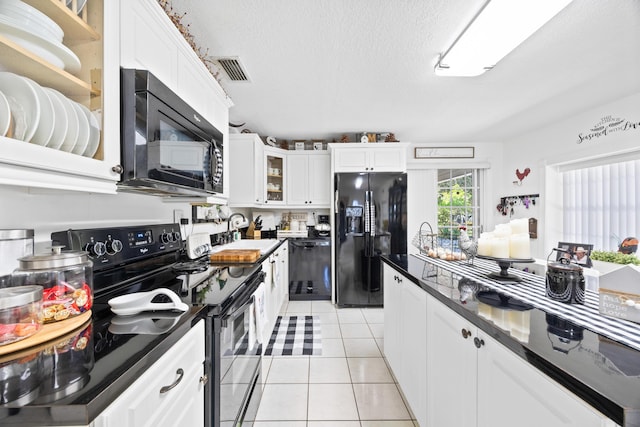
(607, 125)
(444, 152)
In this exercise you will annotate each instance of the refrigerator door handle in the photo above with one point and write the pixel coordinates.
(372, 224)
(368, 239)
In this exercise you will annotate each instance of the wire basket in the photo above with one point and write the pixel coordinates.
(425, 239)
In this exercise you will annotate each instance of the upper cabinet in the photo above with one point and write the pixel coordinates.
(77, 133)
(354, 157)
(262, 175)
(274, 171)
(65, 124)
(308, 179)
(247, 176)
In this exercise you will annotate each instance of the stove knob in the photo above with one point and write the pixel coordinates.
(95, 249)
(176, 236)
(165, 237)
(113, 246)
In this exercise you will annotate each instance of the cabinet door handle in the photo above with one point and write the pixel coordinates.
(204, 379)
(166, 388)
(478, 342)
(466, 334)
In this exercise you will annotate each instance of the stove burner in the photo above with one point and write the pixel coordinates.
(190, 267)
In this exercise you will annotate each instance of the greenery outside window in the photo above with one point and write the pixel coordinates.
(458, 204)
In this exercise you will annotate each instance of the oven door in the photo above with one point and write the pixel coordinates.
(240, 356)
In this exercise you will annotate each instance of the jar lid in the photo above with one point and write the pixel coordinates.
(19, 295)
(55, 259)
(16, 234)
(564, 267)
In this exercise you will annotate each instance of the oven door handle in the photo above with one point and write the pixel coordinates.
(232, 316)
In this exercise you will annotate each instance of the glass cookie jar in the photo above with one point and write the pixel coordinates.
(67, 280)
(20, 309)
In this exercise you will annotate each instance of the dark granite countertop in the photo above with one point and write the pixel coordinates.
(601, 371)
(89, 380)
(92, 377)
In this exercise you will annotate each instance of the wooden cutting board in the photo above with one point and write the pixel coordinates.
(236, 255)
(47, 332)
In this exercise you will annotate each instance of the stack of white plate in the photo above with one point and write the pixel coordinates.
(46, 117)
(37, 33)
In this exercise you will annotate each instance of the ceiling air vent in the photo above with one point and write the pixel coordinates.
(233, 68)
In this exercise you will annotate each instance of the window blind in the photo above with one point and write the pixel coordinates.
(600, 204)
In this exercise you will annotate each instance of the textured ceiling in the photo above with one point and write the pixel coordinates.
(321, 68)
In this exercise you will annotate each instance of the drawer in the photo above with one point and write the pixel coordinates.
(143, 404)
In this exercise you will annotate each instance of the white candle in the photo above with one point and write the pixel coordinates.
(519, 226)
(502, 230)
(500, 247)
(484, 246)
(519, 246)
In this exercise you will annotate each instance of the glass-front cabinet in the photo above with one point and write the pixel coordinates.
(59, 128)
(274, 170)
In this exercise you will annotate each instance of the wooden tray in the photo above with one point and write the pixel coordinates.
(47, 333)
(236, 255)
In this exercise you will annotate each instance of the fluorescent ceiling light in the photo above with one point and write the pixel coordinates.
(499, 27)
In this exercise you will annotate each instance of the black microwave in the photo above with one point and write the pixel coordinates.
(167, 148)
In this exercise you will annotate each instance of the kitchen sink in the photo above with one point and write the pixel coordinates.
(264, 245)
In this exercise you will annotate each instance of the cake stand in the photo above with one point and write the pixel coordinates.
(504, 264)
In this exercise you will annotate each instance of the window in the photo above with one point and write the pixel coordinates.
(601, 204)
(458, 199)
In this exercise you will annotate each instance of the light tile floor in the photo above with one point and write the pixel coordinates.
(349, 385)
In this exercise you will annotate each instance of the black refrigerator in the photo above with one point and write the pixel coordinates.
(371, 220)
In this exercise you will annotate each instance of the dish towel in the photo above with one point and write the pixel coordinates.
(252, 326)
(260, 312)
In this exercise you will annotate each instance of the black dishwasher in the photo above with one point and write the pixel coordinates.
(309, 269)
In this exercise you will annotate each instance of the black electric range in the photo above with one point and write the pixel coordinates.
(71, 380)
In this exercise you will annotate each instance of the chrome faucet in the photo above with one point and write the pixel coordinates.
(231, 217)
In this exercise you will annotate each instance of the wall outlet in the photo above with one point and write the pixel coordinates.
(178, 214)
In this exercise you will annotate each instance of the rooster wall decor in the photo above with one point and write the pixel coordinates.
(521, 175)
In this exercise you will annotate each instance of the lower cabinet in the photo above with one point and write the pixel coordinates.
(405, 338)
(170, 393)
(276, 269)
(476, 381)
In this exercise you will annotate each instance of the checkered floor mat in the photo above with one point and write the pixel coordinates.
(295, 336)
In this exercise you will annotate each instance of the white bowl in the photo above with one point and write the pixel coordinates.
(24, 104)
(44, 130)
(61, 123)
(31, 19)
(83, 132)
(5, 115)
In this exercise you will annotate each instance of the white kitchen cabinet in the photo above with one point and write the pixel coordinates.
(94, 39)
(352, 157)
(405, 338)
(275, 170)
(152, 401)
(246, 160)
(475, 381)
(392, 319)
(451, 367)
(512, 392)
(308, 180)
(275, 287)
